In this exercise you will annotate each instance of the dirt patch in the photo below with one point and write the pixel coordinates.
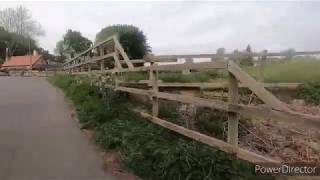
(283, 141)
(111, 160)
(73, 112)
(112, 165)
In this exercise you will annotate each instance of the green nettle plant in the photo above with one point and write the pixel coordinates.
(150, 151)
(310, 92)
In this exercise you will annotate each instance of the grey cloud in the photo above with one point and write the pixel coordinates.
(188, 27)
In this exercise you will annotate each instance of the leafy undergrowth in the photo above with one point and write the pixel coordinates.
(310, 92)
(150, 151)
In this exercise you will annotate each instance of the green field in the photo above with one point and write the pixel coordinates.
(300, 70)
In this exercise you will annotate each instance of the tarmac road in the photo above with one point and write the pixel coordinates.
(38, 138)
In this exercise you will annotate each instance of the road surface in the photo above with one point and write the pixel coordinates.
(38, 138)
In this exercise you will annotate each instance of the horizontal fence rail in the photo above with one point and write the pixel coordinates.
(115, 63)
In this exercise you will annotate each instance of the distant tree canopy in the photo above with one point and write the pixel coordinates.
(221, 50)
(19, 20)
(248, 49)
(289, 53)
(72, 43)
(132, 39)
(17, 44)
(247, 59)
(17, 32)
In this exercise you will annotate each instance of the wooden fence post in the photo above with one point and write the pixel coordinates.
(155, 102)
(102, 65)
(89, 69)
(150, 75)
(262, 65)
(233, 118)
(117, 59)
(150, 59)
(187, 61)
(101, 53)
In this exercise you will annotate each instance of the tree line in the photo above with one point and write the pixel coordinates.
(18, 31)
(131, 38)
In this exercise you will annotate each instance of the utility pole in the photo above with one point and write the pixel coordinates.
(30, 68)
(6, 50)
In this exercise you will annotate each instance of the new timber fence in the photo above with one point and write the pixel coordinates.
(108, 60)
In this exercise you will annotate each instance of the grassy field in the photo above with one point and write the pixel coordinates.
(205, 76)
(297, 70)
(300, 70)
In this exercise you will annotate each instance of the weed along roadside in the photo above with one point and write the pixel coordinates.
(146, 149)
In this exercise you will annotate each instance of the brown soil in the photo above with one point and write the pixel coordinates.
(111, 160)
(283, 141)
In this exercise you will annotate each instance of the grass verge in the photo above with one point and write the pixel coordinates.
(150, 151)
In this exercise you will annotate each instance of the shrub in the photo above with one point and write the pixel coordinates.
(246, 61)
(132, 39)
(310, 92)
(211, 121)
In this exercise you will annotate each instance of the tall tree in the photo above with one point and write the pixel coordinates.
(17, 44)
(59, 50)
(221, 50)
(19, 20)
(247, 58)
(132, 39)
(289, 53)
(72, 43)
(248, 49)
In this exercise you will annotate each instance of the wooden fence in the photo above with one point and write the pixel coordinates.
(108, 58)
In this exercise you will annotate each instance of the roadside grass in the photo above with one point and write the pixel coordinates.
(150, 151)
(299, 70)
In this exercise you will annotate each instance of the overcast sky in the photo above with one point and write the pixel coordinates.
(187, 27)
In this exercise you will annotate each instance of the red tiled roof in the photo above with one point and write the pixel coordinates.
(21, 60)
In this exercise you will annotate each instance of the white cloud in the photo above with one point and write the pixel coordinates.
(187, 27)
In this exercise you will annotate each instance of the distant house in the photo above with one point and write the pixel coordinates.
(35, 61)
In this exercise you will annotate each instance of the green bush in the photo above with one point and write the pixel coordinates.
(168, 111)
(150, 151)
(310, 92)
(132, 39)
(246, 62)
(211, 121)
